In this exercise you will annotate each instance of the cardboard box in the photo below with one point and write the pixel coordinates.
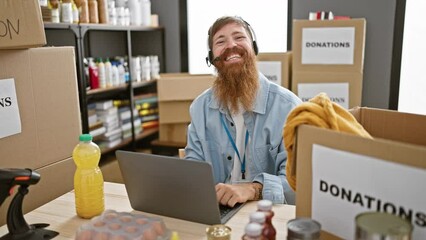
(329, 46)
(344, 88)
(46, 105)
(182, 86)
(47, 189)
(328, 56)
(21, 24)
(174, 111)
(267, 65)
(174, 132)
(390, 172)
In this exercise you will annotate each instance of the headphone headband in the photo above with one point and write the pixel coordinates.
(209, 58)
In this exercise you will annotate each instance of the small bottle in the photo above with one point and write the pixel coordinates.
(108, 73)
(66, 11)
(88, 179)
(115, 74)
(303, 228)
(93, 74)
(146, 12)
(259, 217)
(101, 73)
(103, 11)
(93, 11)
(266, 207)
(84, 12)
(253, 231)
(75, 14)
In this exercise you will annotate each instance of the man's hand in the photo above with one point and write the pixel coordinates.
(230, 194)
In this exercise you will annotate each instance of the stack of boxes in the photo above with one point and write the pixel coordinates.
(328, 56)
(175, 94)
(39, 105)
(276, 67)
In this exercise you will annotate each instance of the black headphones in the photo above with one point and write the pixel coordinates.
(210, 59)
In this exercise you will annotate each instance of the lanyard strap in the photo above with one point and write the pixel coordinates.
(243, 162)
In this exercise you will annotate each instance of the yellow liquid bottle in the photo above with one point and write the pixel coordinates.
(88, 179)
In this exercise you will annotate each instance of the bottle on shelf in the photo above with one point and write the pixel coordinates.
(103, 11)
(253, 231)
(102, 74)
(266, 207)
(66, 11)
(93, 74)
(84, 11)
(88, 179)
(93, 11)
(146, 12)
(115, 74)
(108, 73)
(75, 14)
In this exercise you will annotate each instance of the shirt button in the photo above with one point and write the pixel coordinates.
(229, 158)
(232, 124)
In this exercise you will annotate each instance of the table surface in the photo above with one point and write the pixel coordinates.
(60, 214)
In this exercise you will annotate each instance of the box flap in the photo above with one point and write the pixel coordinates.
(183, 86)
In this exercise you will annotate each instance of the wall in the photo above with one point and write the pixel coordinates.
(383, 43)
(172, 16)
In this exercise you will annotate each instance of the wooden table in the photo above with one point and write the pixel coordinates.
(60, 214)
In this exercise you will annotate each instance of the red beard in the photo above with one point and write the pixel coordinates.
(237, 83)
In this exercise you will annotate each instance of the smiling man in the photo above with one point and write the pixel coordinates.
(237, 124)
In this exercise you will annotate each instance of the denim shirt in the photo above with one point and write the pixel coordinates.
(208, 141)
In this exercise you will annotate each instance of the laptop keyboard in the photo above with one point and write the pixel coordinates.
(225, 209)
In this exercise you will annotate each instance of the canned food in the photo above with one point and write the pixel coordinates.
(218, 232)
(380, 225)
(303, 228)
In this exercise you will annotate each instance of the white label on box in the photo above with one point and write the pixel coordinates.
(9, 109)
(271, 70)
(337, 92)
(345, 184)
(328, 45)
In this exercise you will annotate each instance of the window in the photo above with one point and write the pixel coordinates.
(268, 18)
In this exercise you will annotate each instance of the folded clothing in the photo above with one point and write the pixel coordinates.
(321, 112)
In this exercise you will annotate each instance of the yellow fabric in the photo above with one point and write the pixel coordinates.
(320, 111)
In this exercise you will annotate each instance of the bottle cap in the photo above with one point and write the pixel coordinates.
(257, 217)
(264, 205)
(85, 137)
(253, 229)
(303, 228)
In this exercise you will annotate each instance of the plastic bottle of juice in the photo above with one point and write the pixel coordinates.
(269, 231)
(88, 179)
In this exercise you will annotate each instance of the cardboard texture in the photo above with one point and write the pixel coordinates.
(55, 180)
(176, 91)
(46, 89)
(174, 132)
(182, 86)
(174, 111)
(358, 61)
(286, 61)
(21, 24)
(398, 137)
(353, 78)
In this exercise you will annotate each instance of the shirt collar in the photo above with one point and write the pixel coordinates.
(261, 97)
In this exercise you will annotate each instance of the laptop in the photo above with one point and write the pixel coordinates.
(172, 187)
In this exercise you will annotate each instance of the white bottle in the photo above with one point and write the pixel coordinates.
(155, 67)
(66, 11)
(101, 74)
(121, 74)
(115, 77)
(146, 12)
(108, 73)
(135, 12)
(146, 68)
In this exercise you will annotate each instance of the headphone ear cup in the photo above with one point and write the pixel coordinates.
(256, 50)
(210, 57)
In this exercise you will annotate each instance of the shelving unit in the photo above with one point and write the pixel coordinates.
(101, 40)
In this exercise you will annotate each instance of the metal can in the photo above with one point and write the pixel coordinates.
(380, 225)
(218, 232)
(303, 229)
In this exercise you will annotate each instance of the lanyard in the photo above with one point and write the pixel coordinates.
(243, 162)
